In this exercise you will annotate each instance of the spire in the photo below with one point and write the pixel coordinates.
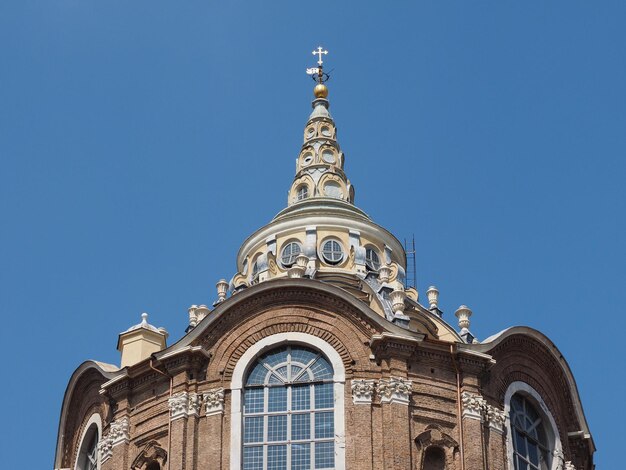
(319, 167)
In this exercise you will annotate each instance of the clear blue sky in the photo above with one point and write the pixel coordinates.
(141, 142)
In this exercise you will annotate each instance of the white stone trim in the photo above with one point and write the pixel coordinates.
(395, 390)
(178, 405)
(362, 391)
(237, 385)
(542, 408)
(96, 419)
(213, 401)
(473, 406)
(195, 402)
(119, 433)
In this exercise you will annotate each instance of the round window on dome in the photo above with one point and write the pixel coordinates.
(372, 260)
(310, 132)
(326, 132)
(328, 156)
(290, 252)
(307, 159)
(332, 251)
(302, 192)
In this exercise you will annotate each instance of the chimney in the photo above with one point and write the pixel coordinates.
(140, 341)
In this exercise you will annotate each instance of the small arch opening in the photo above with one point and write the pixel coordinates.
(435, 459)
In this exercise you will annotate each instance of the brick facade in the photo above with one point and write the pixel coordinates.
(384, 434)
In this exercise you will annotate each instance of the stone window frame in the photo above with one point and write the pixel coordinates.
(552, 432)
(342, 250)
(285, 245)
(248, 359)
(94, 419)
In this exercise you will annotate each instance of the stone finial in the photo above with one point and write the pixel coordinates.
(296, 271)
(397, 301)
(193, 318)
(222, 289)
(302, 260)
(463, 313)
(384, 273)
(433, 297)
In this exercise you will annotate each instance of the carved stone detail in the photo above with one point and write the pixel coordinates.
(195, 401)
(473, 406)
(152, 452)
(119, 433)
(496, 418)
(179, 405)
(362, 391)
(395, 390)
(213, 401)
(569, 466)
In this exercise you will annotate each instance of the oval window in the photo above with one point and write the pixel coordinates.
(332, 251)
(328, 156)
(290, 253)
(310, 132)
(307, 158)
(326, 131)
(302, 193)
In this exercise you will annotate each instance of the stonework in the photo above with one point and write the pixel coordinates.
(362, 391)
(213, 401)
(399, 387)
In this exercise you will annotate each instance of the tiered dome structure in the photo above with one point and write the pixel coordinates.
(317, 356)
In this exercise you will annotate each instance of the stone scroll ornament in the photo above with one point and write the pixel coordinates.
(395, 390)
(362, 391)
(119, 432)
(213, 401)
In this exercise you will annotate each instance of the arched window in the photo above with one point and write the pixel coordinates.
(88, 454)
(435, 459)
(372, 260)
(288, 411)
(302, 192)
(530, 443)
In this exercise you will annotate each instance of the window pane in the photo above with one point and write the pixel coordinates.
(520, 443)
(324, 455)
(253, 400)
(275, 357)
(277, 399)
(253, 430)
(321, 369)
(301, 397)
(324, 396)
(277, 428)
(257, 376)
(301, 427)
(324, 427)
(253, 458)
(533, 453)
(300, 456)
(302, 355)
(276, 457)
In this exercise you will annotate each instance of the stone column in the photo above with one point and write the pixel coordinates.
(473, 409)
(179, 408)
(395, 395)
(193, 412)
(496, 445)
(113, 447)
(359, 426)
(210, 434)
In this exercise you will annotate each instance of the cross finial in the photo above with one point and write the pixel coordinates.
(319, 53)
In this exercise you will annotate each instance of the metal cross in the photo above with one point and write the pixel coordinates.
(319, 53)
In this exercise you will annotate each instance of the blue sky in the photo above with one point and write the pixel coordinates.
(141, 142)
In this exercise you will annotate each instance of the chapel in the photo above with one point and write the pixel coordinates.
(317, 354)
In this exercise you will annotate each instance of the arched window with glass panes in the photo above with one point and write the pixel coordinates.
(288, 411)
(530, 442)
